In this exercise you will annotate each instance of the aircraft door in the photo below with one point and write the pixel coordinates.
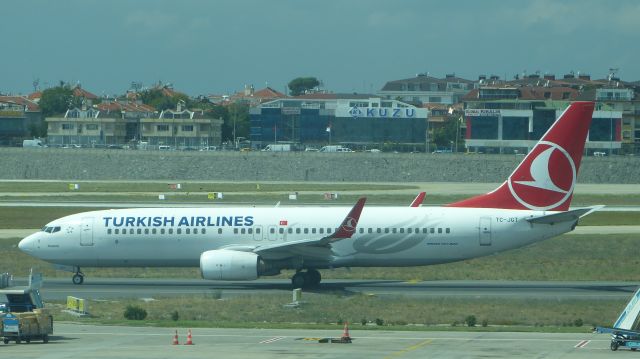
(86, 231)
(485, 231)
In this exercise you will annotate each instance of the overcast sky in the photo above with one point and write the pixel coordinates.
(216, 47)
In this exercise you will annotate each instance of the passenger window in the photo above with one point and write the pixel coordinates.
(162, 231)
(321, 230)
(195, 231)
(439, 230)
(250, 230)
(109, 231)
(187, 231)
(393, 230)
(117, 231)
(297, 230)
(386, 230)
(257, 230)
(289, 230)
(306, 231)
(235, 231)
(361, 230)
(281, 230)
(313, 230)
(178, 231)
(153, 231)
(242, 231)
(131, 231)
(328, 230)
(401, 230)
(409, 230)
(219, 230)
(379, 230)
(370, 230)
(170, 230)
(448, 230)
(204, 231)
(272, 230)
(432, 230)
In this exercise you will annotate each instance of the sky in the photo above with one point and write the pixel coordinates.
(216, 47)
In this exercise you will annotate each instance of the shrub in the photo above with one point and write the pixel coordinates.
(485, 323)
(363, 321)
(175, 316)
(471, 321)
(578, 322)
(133, 312)
(379, 321)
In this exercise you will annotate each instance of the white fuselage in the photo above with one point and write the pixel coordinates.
(385, 236)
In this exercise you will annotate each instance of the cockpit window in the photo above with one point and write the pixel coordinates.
(51, 229)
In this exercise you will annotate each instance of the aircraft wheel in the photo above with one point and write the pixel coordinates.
(313, 277)
(77, 279)
(298, 280)
(614, 345)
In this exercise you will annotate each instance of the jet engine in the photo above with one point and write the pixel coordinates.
(229, 265)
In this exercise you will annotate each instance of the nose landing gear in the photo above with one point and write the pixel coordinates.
(78, 278)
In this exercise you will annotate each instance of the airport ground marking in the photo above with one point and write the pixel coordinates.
(271, 340)
(409, 349)
(582, 344)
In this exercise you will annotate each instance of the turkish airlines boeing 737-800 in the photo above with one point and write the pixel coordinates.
(245, 243)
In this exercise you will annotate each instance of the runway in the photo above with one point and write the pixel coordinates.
(105, 342)
(103, 288)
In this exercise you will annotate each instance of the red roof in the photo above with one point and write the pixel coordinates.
(21, 100)
(129, 107)
(80, 92)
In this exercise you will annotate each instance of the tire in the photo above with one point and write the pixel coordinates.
(298, 280)
(6, 340)
(77, 279)
(614, 345)
(313, 278)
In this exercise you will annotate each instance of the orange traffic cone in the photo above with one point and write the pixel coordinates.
(175, 339)
(189, 339)
(345, 333)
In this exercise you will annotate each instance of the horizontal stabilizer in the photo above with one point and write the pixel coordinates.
(568, 216)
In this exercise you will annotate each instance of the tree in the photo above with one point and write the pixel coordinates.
(237, 112)
(445, 135)
(157, 99)
(299, 85)
(57, 100)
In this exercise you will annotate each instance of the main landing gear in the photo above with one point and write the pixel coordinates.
(309, 279)
(78, 278)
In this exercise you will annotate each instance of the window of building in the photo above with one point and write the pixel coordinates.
(91, 126)
(68, 126)
(187, 128)
(162, 128)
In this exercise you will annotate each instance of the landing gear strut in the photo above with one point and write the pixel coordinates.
(78, 278)
(309, 279)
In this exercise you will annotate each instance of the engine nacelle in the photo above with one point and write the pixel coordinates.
(229, 265)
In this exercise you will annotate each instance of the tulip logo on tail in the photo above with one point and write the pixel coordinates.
(547, 180)
(349, 225)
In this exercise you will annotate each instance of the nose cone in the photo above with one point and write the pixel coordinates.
(27, 244)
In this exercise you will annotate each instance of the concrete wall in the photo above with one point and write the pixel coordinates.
(88, 164)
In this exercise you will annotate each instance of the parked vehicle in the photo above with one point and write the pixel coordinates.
(35, 143)
(277, 148)
(336, 148)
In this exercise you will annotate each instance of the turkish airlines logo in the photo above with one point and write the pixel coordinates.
(350, 224)
(546, 179)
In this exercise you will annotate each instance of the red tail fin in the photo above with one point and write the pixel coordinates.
(545, 179)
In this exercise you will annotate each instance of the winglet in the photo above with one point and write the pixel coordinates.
(418, 200)
(350, 222)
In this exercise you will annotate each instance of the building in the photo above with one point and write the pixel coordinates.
(321, 119)
(87, 127)
(424, 89)
(20, 118)
(181, 129)
(507, 119)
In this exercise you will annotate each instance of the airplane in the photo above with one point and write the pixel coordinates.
(245, 243)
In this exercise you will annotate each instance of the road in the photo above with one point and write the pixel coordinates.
(74, 341)
(109, 288)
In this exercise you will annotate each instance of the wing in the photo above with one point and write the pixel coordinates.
(314, 247)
